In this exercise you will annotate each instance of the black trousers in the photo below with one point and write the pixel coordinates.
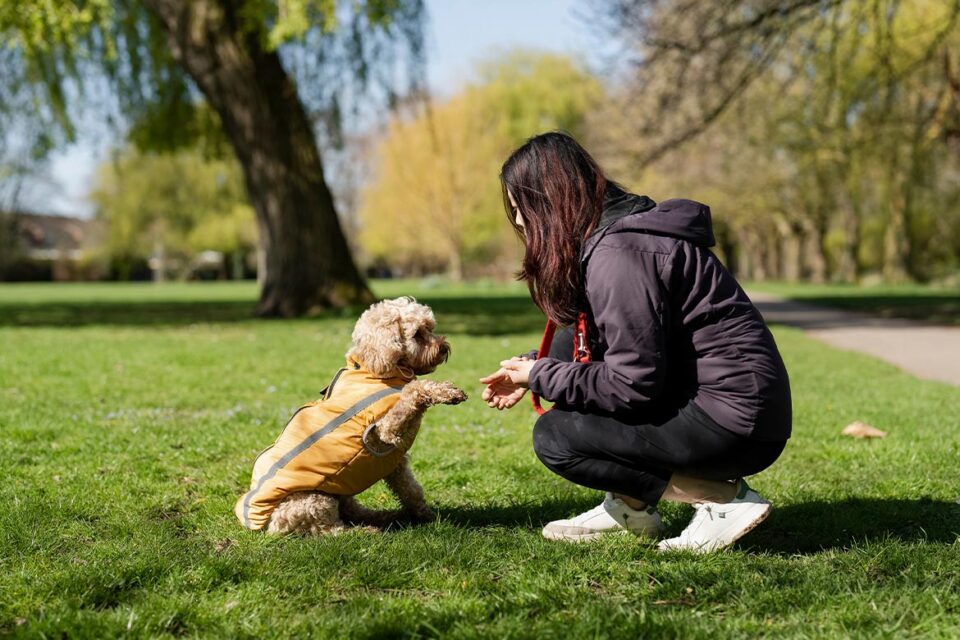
(635, 455)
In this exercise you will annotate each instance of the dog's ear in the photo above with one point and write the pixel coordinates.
(378, 340)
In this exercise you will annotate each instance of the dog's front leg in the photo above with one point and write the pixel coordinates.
(399, 426)
(409, 492)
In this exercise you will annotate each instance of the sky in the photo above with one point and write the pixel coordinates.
(459, 33)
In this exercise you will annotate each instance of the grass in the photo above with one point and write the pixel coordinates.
(127, 435)
(939, 305)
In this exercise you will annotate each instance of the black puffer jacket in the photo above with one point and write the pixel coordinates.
(672, 324)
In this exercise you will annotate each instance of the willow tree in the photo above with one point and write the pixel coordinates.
(277, 74)
(435, 198)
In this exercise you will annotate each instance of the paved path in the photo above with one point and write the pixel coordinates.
(927, 351)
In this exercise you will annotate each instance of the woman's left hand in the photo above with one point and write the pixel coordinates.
(518, 371)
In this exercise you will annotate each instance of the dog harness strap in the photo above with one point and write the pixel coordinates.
(581, 349)
(346, 416)
(375, 453)
(327, 390)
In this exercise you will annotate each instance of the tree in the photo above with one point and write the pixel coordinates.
(841, 110)
(169, 207)
(435, 199)
(157, 55)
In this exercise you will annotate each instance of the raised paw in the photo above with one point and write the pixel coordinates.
(443, 393)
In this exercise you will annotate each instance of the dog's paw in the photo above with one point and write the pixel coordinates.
(446, 393)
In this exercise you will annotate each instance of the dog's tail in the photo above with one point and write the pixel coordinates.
(355, 513)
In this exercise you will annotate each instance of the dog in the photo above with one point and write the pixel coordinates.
(357, 433)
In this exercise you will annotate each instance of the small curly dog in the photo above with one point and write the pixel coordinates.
(358, 433)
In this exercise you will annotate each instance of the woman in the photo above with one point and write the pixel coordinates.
(685, 392)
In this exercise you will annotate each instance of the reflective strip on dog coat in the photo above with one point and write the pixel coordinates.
(321, 448)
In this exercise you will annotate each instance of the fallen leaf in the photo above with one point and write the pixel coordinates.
(860, 429)
(223, 545)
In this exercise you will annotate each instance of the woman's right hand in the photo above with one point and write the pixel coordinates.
(501, 392)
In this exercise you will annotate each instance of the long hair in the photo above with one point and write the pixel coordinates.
(559, 190)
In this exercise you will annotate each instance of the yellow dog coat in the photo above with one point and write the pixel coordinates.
(322, 447)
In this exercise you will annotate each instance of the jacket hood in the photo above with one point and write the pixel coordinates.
(678, 218)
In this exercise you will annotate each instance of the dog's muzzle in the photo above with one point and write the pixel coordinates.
(443, 351)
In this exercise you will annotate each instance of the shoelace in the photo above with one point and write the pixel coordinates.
(704, 512)
(586, 515)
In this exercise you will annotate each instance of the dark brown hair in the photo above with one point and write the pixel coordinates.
(559, 190)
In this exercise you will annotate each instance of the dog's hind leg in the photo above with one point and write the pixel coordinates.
(409, 492)
(355, 513)
(306, 512)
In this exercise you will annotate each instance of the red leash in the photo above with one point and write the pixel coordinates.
(581, 349)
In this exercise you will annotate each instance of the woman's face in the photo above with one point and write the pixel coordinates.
(517, 218)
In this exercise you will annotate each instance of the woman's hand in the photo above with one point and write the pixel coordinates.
(506, 387)
(518, 370)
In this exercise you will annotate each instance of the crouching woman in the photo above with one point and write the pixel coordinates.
(684, 392)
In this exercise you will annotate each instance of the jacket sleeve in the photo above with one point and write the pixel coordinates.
(626, 294)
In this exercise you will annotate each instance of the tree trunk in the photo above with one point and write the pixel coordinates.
(848, 269)
(727, 247)
(752, 264)
(307, 264)
(896, 243)
(814, 254)
(455, 264)
(791, 243)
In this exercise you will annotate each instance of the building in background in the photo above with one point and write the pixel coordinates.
(40, 247)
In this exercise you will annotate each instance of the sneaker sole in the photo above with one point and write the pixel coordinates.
(588, 537)
(753, 524)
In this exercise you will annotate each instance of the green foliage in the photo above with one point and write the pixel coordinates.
(112, 57)
(128, 437)
(436, 199)
(836, 159)
(174, 205)
(533, 92)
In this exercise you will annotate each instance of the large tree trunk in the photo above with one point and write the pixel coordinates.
(306, 258)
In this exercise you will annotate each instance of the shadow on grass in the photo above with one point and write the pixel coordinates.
(937, 309)
(817, 526)
(134, 313)
(811, 527)
(815, 311)
(533, 514)
(463, 315)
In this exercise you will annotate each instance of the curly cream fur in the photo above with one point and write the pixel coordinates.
(389, 335)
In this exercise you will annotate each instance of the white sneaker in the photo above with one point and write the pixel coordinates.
(611, 516)
(715, 526)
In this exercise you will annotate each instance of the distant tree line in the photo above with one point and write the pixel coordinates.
(825, 134)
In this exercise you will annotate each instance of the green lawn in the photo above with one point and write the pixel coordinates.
(940, 305)
(127, 436)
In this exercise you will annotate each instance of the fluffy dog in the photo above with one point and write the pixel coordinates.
(358, 433)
